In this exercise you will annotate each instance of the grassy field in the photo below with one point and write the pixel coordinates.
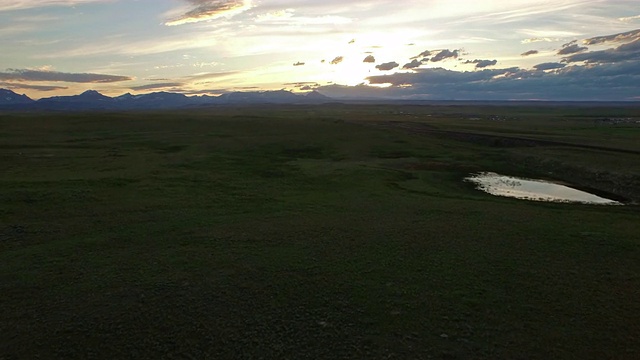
(318, 232)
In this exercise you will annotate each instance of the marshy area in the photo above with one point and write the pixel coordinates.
(317, 232)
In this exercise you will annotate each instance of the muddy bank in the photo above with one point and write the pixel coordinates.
(621, 186)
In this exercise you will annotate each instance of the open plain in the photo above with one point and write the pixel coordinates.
(317, 232)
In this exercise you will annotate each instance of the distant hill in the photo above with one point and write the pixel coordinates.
(316, 96)
(262, 97)
(156, 100)
(88, 100)
(8, 97)
(93, 100)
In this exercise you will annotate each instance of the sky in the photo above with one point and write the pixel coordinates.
(409, 49)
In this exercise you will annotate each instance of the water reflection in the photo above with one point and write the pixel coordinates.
(537, 190)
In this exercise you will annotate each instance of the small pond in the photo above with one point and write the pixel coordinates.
(536, 190)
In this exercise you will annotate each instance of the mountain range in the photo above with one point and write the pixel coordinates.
(93, 100)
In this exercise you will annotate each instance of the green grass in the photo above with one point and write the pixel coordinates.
(310, 232)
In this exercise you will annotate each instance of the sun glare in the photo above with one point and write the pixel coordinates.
(350, 72)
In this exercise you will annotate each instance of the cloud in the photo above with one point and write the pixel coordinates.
(369, 59)
(128, 46)
(337, 60)
(438, 76)
(549, 66)
(14, 86)
(481, 63)
(621, 37)
(387, 66)
(423, 54)
(304, 85)
(415, 63)
(539, 39)
(287, 17)
(299, 63)
(278, 14)
(629, 18)
(27, 4)
(55, 76)
(571, 48)
(530, 52)
(156, 86)
(594, 82)
(300, 83)
(624, 52)
(202, 10)
(445, 54)
(209, 75)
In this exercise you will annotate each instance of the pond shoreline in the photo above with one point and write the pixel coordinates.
(535, 189)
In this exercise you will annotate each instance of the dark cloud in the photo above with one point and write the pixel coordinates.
(299, 63)
(369, 59)
(156, 86)
(621, 37)
(607, 75)
(594, 82)
(481, 63)
(304, 85)
(445, 54)
(352, 41)
(549, 66)
(300, 83)
(630, 47)
(209, 9)
(412, 65)
(423, 54)
(337, 60)
(624, 52)
(439, 76)
(55, 76)
(15, 86)
(571, 48)
(387, 66)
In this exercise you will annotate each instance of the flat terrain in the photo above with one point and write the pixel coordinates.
(317, 232)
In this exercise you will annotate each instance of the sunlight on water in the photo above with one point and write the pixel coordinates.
(536, 190)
